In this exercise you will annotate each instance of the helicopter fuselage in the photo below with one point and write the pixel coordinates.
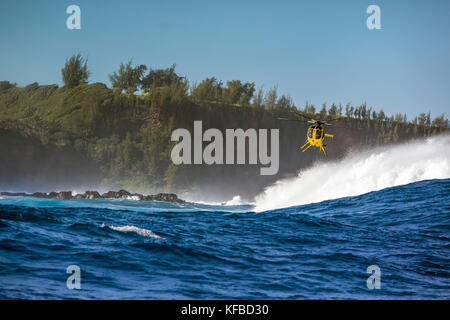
(314, 137)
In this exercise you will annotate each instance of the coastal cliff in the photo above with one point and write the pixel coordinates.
(93, 137)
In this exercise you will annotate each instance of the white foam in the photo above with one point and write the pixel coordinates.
(135, 198)
(361, 172)
(236, 201)
(140, 231)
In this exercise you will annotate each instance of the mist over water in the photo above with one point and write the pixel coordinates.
(361, 172)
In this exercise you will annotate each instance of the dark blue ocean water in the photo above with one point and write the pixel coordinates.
(151, 250)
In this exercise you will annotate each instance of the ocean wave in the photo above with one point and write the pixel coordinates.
(26, 214)
(403, 230)
(235, 201)
(140, 231)
(361, 172)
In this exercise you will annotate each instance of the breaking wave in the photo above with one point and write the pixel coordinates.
(236, 201)
(139, 231)
(360, 173)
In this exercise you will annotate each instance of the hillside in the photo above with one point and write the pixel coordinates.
(92, 136)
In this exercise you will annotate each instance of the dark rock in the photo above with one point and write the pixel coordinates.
(121, 194)
(88, 195)
(116, 195)
(137, 196)
(39, 195)
(64, 195)
(167, 197)
(12, 194)
(109, 195)
(92, 195)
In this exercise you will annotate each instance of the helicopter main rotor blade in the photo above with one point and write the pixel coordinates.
(302, 114)
(344, 127)
(338, 118)
(286, 119)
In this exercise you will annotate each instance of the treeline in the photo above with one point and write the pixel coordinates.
(129, 79)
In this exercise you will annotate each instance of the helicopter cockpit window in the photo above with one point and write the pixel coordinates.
(318, 133)
(310, 132)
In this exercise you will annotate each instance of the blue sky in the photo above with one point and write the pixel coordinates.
(317, 51)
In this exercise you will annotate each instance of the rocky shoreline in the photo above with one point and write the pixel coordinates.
(121, 194)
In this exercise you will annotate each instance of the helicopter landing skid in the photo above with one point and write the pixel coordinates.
(307, 145)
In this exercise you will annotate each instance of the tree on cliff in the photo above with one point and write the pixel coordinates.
(271, 98)
(440, 121)
(323, 111)
(160, 78)
(75, 71)
(333, 110)
(285, 102)
(258, 99)
(309, 108)
(237, 92)
(208, 90)
(127, 78)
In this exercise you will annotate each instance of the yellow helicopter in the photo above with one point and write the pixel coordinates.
(315, 136)
(315, 133)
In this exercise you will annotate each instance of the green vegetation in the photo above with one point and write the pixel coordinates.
(75, 71)
(127, 78)
(128, 134)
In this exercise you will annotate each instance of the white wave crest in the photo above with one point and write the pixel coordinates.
(236, 201)
(140, 231)
(360, 173)
(135, 198)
